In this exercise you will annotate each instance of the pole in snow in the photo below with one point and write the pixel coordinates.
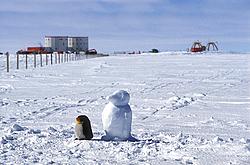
(8, 61)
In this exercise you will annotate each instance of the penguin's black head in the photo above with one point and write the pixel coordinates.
(82, 119)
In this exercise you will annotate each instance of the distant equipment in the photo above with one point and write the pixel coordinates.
(198, 47)
(34, 50)
(154, 51)
(212, 45)
(91, 51)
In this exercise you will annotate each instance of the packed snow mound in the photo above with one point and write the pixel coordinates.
(17, 127)
(117, 117)
(3, 102)
(5, 88)
(119, 98)
(178, 102)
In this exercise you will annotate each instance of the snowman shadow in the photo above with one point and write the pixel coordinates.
(131, 139)
(108, 138)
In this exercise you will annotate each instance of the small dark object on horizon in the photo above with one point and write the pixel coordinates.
(154, 51)
(91, 51)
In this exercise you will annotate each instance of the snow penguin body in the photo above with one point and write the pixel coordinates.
(117, 117)
(83, 130)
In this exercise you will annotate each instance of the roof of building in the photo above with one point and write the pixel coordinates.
(63, 37)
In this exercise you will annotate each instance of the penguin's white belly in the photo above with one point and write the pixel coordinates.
(117, 121)
(79, 131)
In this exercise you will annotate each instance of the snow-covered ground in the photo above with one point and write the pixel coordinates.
(187, 109)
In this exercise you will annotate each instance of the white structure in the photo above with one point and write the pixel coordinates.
(78, 44)
(66, 43)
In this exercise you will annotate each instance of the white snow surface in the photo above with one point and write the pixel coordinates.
(187, 109)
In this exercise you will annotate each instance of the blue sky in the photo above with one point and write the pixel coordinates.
(114, 25)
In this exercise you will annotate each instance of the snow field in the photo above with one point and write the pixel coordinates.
(187, 109)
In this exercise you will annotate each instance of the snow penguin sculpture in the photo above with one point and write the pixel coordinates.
(83, 129)
(117, 117)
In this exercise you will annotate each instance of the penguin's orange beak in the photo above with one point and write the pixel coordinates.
(78, 121)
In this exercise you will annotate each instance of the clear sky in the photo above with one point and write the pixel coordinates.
(116, 25)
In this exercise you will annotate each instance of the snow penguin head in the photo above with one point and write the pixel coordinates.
(119, 98)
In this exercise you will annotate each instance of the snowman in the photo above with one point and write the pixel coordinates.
(117, 117)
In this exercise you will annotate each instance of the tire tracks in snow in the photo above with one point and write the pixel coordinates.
(44, 107)
(175, 103)
(50, 110)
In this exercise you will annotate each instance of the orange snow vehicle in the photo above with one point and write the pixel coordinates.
(197, 47)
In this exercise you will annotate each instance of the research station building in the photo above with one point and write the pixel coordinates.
(66, 43)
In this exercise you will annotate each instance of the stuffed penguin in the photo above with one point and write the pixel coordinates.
(83, 129)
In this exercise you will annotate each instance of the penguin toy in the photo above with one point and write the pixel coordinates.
(83, 129)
